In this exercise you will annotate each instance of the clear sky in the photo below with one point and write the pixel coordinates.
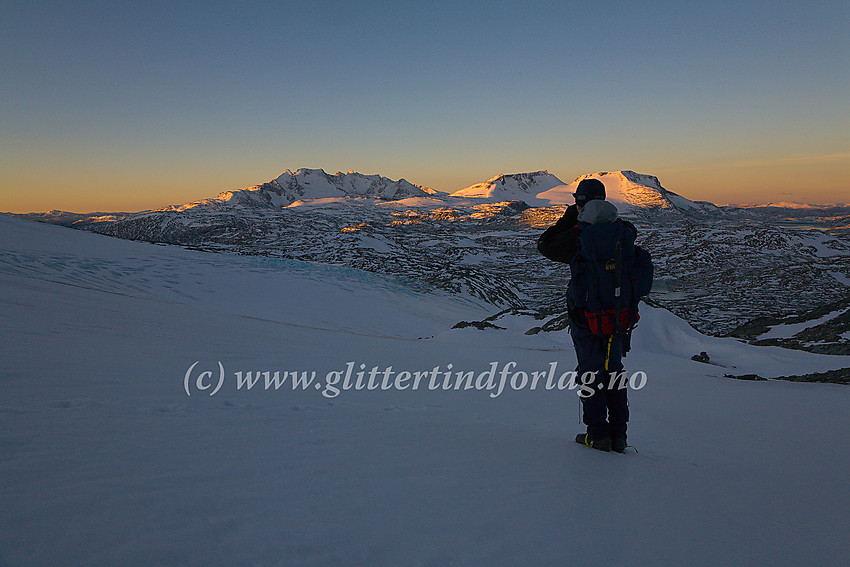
(131, 105)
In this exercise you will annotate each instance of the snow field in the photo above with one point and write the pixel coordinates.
(106, 460)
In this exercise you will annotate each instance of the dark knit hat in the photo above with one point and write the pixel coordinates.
(588, 190)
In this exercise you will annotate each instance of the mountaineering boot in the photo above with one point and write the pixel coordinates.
(602, 444)
(618, 444)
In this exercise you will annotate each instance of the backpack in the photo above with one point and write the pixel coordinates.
(609, 273)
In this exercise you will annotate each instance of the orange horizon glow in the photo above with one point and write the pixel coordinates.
(806, 181)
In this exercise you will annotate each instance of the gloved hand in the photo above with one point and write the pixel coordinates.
(569, 218)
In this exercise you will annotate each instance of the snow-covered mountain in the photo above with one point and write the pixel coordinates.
(516, 186)
(626, 189)
(306, 184)
(794, 205)
(629, 190)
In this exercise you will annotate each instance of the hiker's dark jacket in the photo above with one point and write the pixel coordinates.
(559, 242)
(606, 411)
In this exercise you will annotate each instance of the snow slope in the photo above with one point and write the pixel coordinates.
(516, 186)
(310, 184)
(627, 189)
(107, 461)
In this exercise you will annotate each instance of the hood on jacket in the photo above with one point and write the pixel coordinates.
(598, 212)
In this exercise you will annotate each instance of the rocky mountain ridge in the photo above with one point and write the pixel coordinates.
(524, 186)
(306, 183)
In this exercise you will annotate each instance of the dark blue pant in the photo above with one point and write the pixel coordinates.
(606, 410)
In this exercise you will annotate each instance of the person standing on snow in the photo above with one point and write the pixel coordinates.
(599, 352)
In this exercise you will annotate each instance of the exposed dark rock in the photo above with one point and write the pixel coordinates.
(701, 357)
(754, 377)
(480, 325)
(840, 376)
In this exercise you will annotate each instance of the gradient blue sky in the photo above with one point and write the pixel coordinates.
(126, 106)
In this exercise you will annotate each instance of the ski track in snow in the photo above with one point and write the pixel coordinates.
(106, 460)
